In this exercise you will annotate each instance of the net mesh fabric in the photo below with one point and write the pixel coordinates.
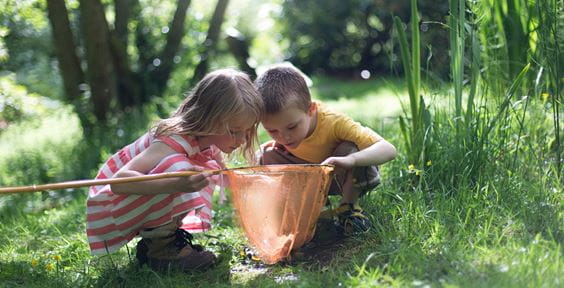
(278, 205)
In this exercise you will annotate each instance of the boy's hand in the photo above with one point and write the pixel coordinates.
(346, 162)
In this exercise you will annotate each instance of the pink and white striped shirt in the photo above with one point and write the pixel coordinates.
(113, 220)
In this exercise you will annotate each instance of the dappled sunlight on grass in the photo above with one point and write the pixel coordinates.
(370, 109)
(62, 128)
(364, 100)
(35, 152)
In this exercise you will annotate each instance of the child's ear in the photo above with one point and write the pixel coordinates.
(312, 109)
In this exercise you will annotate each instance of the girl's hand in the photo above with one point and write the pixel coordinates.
(192, 183)
(346, 162)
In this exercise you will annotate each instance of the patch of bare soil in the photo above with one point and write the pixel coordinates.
(324, 246)
(320, 251)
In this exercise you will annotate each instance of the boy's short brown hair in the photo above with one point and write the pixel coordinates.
(281, 86)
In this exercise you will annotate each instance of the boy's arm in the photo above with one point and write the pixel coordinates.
(143, 163)
(376, 154)
(379, 152)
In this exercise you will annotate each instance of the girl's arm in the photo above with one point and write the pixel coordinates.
(376, 154)
(145, 162)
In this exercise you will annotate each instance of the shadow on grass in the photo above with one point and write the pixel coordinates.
(541, 215)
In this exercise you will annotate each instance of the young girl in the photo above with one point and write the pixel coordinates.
(219, 115)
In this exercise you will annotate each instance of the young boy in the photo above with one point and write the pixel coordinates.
(305, 131)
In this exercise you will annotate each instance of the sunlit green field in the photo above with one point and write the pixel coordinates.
(502, 230)
(470, 93)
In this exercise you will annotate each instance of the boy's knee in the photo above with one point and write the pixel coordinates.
(364, 178)
(340, 177)
(345, 148)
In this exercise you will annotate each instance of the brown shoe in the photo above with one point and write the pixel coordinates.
(173, 253)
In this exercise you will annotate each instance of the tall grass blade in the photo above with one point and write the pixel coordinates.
(475, 70)
(503, 107)
(411, 65)
(415, 48)
(550, 42)
(405, 60)
(404, 133)
(457, 40)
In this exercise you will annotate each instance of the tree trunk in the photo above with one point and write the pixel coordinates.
(69, 64)
(211, 40)
(109, 74)
(239, 47)
(128, 84)
(146, 54)
(98, 56)
(161, 74)
(123, 13)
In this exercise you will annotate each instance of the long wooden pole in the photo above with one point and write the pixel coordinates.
(95, 182)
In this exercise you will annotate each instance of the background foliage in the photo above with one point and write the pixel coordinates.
(474, 198)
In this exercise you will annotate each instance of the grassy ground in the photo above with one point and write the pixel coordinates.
(503, 229)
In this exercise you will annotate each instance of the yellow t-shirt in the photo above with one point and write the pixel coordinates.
(333, 128)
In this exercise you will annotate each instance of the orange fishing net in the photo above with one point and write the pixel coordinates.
(278, 205)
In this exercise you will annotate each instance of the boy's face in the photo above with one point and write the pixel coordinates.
(291, 125)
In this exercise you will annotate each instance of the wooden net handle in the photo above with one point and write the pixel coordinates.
(95, 182)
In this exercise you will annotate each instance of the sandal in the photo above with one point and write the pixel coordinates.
(352, 220)
(349, 219)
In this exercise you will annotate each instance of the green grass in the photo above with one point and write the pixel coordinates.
(499, 226)
(370, 101)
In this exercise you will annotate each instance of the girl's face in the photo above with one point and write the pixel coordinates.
(234, 137)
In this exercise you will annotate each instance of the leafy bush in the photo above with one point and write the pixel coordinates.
(18, 104)
(345, 37)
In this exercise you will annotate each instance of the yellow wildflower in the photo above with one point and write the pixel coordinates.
(429, 163)
(34, 262)
(57, 258)
(544, 96)
(49, 267)
(411, 167)
(417, 172)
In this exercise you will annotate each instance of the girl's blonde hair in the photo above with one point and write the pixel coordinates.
(220, 97)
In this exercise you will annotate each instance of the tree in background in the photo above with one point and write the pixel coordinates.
(345, 37)
(111, 80)
(211, 40)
